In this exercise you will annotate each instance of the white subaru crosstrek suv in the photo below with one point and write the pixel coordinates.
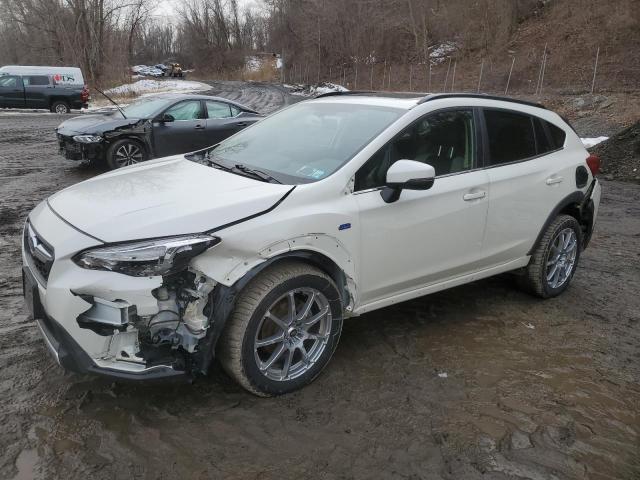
(255, 250)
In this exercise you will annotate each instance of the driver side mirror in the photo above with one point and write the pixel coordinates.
(166, 118)
(409, 175)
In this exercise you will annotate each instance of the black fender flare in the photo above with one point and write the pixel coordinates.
(575, 198)
(223, 300)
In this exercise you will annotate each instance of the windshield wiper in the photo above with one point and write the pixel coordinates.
(259, 174)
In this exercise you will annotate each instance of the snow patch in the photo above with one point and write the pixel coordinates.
(157, 86)
(315, 90)
(592, 142)
(253, 64)
(439, 52)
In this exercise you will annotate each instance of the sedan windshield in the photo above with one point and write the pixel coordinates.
(307, 142)
(147, 107)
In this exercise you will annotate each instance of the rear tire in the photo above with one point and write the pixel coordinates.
(60, 107)
(554, 260)
(271, 347)
(125, 152)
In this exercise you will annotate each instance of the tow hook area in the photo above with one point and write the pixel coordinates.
(169, 337)
(104, 316)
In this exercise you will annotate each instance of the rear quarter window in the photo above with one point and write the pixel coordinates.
(558, 135)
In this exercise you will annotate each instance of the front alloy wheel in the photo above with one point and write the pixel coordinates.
(124, 153)
(283, 330)
(293, 334)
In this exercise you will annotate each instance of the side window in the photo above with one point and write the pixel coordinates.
(444, 140)
(557, 134)
(187, 110)
(8, 82)
(511, 136)
(218, 110)
(235, 111)
(36, 80)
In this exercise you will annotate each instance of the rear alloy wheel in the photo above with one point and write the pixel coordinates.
(60, 107)
(283, 330)
(124, 153)
(555, 259)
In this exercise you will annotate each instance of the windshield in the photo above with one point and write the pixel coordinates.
(146, 108)
(307, 142)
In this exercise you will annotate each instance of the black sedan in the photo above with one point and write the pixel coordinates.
(153, 127)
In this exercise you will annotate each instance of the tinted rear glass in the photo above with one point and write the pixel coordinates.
(36, 80)
(557, 134)
(511, 136)
(542, 139)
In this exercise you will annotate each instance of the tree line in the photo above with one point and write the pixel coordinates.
(317, 38)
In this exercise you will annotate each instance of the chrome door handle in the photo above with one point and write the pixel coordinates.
(553, 180)
(474, 196)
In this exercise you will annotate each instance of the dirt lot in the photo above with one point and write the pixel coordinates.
(481, 381)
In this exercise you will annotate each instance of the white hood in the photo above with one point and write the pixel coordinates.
(171, 196)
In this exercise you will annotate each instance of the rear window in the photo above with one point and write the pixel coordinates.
(36, 80)
(511, 136)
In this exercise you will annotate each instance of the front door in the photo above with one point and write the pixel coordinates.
(428, 236)
(184, 134)
(11, 91)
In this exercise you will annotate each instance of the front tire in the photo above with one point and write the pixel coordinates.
(124, 153)
(555, 259)
(283, 330)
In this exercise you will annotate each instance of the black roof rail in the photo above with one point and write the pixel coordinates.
(373, 93)
(439, 96)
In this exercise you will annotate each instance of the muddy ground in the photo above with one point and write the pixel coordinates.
(481, 381)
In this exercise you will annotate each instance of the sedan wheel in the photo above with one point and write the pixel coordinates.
(128, 154)
(125, 152)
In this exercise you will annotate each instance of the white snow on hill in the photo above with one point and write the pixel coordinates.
(592, 142)
(158, 86)
(315, 90)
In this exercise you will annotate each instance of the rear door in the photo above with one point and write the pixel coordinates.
(527, 180)
(223, 120)
(11, 91)
(184, 134)
(36, 89)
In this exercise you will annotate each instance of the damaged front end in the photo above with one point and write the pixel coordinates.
(170, 334)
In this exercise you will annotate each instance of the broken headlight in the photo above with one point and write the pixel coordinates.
(87, 138)
(161, 256)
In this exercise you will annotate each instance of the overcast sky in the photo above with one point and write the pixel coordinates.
(167, 8)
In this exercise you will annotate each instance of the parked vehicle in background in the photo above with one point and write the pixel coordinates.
(175, 70)
(154, 126)
(59, 89)
(162, 67)
(256, 249)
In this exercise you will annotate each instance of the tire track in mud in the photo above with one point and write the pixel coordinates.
(262, 97)
(559, 400)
